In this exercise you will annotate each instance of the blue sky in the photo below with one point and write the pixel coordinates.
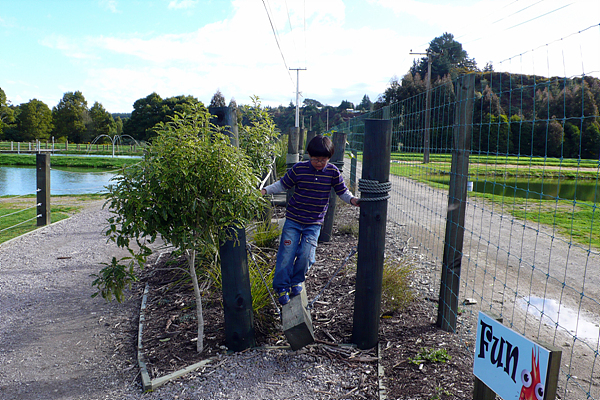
(117, 51)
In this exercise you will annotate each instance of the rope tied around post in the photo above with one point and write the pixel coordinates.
(374, 187)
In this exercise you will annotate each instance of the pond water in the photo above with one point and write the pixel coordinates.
(545, 189)
(20, 180)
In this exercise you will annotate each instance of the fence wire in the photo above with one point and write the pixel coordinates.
(531, 248)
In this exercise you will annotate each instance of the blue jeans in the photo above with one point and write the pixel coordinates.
(296, 254)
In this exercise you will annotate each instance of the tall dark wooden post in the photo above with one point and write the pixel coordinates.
(42, 161)
(235, 278)
(457, 202)
(352, 183)
(301, 144)
(371, 234)
(237, 297)
(292, 154)
(309, 136)
(226, 117)
(339, 143)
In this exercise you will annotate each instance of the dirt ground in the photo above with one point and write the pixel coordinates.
(170, 325)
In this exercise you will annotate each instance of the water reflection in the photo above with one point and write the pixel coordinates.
(20, 180)
(563, 317)
(545, 189)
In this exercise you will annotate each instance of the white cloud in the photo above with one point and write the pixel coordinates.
(182, 4)
(240, 56)
(110, 5)
(70, 47)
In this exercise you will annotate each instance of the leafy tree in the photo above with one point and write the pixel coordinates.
(218, 100)
(6, 112)
(257, 135)
(151, 110)
(190, 186)
(312, 103)
(366, 104)
(34, 121)
(448, 57)
(147, 112)
(102, 122)
(119, 125)
(344, 105)
(70, 117)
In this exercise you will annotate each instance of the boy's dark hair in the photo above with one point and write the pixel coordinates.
(320, 146)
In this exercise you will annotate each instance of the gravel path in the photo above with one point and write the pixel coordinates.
(56, 342)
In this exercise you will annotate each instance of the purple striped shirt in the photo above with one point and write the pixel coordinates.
(310, 200)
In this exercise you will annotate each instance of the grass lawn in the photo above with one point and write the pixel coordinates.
(18, 214)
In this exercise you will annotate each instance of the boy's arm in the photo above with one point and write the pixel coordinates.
(273, 188)
(349, 198)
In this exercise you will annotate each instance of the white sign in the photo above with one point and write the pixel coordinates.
(511, 365)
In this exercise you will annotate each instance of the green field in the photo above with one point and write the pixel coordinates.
(18, 214)
(576, 220)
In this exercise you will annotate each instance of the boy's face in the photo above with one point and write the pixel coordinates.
(319, 162)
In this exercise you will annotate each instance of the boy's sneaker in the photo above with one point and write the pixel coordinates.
(284, 297)
(296, 290)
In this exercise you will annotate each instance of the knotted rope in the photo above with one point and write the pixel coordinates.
(374, 187)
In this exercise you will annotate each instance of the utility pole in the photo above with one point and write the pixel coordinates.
(297, 94)
(426, 135)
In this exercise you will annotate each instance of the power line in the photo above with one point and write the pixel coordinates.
(539, 16)
(277, 41)
(287, 10)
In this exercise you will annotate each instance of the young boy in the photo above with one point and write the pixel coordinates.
(313, 180)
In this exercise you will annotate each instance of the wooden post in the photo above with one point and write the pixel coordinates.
(292, 155)
(353, 160)
(309, 136)
(42, 161)
(226, 117)
(457, 202)
(339, 143)
(371, 235)
(237, 297)
(297, 323)
(301, 144)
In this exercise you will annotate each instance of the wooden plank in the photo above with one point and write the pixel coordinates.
(297, 323)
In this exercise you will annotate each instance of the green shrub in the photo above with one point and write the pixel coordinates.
(396, 292)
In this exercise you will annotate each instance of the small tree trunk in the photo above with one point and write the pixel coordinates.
(190, 255)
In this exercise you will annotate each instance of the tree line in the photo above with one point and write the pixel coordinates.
(72, 120)
(515, 114)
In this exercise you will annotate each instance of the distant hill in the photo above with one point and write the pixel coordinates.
(121, 115)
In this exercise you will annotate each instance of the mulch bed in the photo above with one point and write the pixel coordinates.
(170, 327)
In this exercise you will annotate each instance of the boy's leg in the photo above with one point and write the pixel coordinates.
(288, 245)
(305, 254)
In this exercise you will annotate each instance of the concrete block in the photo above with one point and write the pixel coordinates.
(297, 323)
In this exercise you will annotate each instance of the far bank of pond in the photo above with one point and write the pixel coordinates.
(70, 161)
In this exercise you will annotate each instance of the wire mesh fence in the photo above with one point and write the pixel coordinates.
(530, 251)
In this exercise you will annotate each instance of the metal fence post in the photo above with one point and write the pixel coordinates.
(457, 203)
(371, 235)
(42, 161)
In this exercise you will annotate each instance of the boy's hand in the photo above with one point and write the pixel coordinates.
(355, 201)
(263, 191)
